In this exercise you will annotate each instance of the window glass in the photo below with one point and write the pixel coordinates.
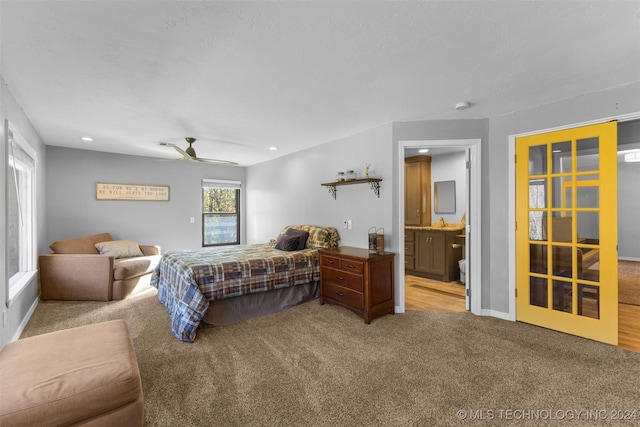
(21, 212)
(220, 213)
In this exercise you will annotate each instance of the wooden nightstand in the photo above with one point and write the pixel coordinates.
(357, 280)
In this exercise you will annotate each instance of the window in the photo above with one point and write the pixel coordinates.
(220, 212)
(21, 212)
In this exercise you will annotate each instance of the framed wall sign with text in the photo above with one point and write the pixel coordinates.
(108, 191)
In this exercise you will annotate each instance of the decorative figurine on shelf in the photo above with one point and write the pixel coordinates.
(366, 170)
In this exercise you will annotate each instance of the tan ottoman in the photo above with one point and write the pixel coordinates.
(82, 376)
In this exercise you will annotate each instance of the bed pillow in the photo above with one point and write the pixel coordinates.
(302, 237)
(319, 237)
(120, 248)
(287, 243)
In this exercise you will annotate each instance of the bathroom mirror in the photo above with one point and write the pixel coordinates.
(444, 196)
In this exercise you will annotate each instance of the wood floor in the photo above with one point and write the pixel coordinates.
(430, 295)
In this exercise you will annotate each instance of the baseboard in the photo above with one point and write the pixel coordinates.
(624, 258)
(26, 319)
(497, 314)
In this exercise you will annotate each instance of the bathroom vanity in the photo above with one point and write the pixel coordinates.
(433, 251)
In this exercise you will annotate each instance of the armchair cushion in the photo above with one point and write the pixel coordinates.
(119, 248)
(127, 268)
(80, 245)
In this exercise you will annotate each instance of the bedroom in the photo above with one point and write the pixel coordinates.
(287, 190)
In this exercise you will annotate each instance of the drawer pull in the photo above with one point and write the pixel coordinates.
(340, 294)
(351, 266)
(330, 261)
(339, 277)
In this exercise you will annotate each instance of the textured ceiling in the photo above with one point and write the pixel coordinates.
(243, 76)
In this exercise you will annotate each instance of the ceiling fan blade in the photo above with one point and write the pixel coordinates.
(185, 155)
(220, 162)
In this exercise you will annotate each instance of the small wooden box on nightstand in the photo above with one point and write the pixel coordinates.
(358, 280)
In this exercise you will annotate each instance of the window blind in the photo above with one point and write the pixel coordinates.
(219, 183)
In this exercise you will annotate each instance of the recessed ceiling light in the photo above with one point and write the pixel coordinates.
(273, 148)
(423, 150)
(86, 138)
(632, 157)
(463, 105)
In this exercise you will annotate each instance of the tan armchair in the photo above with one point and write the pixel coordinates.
(78, 271)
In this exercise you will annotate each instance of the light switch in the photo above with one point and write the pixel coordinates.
(192, 220)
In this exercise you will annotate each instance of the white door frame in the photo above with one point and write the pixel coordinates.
(474, 211)
(512, 191)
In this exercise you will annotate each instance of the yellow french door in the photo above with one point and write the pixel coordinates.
(567, 231)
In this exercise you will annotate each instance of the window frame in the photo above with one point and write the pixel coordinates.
(27, 246)
(223, 184)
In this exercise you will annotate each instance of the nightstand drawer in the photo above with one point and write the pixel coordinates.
(343, 295)
(343, 278)
(352, 266)
(343, 264)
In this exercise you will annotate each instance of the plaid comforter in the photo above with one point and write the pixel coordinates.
(187, 280)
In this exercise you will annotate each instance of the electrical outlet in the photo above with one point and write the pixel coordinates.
(192, 220)
(345, 224)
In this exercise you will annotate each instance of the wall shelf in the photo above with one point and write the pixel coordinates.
(374, 183)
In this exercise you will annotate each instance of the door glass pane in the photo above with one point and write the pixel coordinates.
(537, 219)
(561, 197)
(538, 160)
(589, 301)
(538, 193)
(538, 292)
(588, 151)
(562, 261)
(538, 259)
(588, 197)
(561, 155)
(562, 227)
(589, 263)
(588, 227)
(562, 296)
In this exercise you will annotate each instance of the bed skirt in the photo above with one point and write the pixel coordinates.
(233, 310)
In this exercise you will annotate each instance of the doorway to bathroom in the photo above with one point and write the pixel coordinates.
(441, 253)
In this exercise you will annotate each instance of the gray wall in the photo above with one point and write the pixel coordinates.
(628, 194)
(15, 315)
(287, 191)
(593, 106)
(73, 211)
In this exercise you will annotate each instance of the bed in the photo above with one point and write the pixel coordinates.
(227, 284)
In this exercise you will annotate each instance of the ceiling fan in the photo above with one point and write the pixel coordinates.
(189, 154)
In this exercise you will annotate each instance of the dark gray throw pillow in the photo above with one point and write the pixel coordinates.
(287, 243)
(302, 235)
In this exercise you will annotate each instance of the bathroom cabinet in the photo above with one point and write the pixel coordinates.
(435, 253)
